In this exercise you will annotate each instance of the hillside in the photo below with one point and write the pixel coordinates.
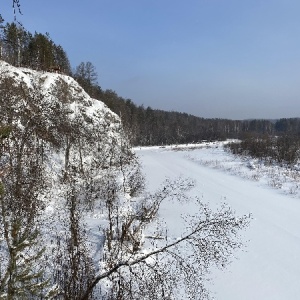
(75, 219)
(63, 153)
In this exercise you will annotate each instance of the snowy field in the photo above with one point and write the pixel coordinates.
(268, 267)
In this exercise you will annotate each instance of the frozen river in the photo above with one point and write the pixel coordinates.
(269, 266)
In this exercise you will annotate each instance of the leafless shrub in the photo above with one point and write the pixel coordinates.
(160, 271)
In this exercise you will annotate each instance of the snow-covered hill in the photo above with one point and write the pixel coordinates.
(51, 92)
(60, 112)
(63, 156)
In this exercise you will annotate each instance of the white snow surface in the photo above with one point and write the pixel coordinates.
(268, 267)
(46, 83)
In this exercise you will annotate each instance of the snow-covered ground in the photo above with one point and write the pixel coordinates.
(269, 265)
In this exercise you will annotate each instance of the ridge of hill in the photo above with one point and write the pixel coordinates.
(58, 110)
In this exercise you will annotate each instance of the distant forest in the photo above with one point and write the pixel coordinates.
(144, 125)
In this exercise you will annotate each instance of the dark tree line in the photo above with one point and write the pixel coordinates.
(37, 51)
(282, 149)
(147, 126)
(282, 146)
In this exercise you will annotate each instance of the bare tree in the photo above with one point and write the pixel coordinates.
(162, 267)
(73, 267)
(21, 271)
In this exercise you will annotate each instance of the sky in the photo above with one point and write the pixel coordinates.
(210, 58)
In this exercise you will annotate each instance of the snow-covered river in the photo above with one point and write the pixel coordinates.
(269, 265)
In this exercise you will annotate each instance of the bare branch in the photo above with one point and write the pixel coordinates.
(17, 8)
(219, 226)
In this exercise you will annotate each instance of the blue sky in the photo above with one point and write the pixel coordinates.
(233, 59)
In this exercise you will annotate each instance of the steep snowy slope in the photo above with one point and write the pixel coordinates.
(61, 112)
(62, 158)
(55, 90)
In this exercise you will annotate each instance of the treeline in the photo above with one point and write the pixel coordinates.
(147, 126)
(279, 149)
(36, 51)
(282, 146)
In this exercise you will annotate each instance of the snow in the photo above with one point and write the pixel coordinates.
(46, 83)
(268, 267)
